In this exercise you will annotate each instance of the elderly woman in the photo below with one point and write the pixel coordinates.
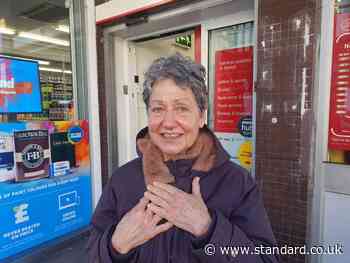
(182, 200)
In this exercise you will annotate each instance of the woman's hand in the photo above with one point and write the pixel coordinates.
(137, 227)
(186, 211)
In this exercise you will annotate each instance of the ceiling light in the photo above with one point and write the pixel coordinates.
(46, 39)
(55, 70)
(63, 28)
(43, 62)
(7, 31)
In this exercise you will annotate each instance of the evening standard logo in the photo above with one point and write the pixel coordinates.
(21, 213)
(331, 249)
(33, 155)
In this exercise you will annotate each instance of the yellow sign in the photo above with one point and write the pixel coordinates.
(244, 154)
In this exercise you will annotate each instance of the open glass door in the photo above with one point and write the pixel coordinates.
(147, 50)
(230, 81)
(135, 56)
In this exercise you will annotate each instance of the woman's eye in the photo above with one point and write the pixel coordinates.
(156, 109)
(181, 109)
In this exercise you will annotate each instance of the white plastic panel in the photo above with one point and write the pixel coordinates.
(336, 225)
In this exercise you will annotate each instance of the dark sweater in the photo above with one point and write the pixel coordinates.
(230, 193)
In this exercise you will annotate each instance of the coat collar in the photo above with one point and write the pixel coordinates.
(206, 154)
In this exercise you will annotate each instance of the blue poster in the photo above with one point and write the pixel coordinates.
(19, 86)
(36, 211)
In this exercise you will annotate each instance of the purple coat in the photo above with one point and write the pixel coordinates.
(230, 193)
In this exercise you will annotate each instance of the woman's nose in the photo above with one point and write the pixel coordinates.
(169, 119)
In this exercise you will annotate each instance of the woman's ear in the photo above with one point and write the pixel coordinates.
(202, 120)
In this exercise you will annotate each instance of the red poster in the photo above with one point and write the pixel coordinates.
(339, 116)
(233, 88)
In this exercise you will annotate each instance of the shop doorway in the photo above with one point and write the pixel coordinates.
(149, 49)
(135, 56)
(134, 47)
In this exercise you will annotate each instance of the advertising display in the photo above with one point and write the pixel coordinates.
(339, 116)
(233, 102)
(32, 154)
(45, 186)
(233, 88)
(19, 86)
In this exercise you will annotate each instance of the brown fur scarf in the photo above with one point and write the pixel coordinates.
(154, 168)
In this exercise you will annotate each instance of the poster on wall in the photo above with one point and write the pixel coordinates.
(339, 115)
(233, 102)
(239, 148)
(233, 88)
(49, 202)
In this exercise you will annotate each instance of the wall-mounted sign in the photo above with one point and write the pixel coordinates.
(339, 117)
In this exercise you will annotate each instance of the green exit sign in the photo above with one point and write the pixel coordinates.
(185, 41)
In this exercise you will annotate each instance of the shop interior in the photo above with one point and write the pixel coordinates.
(39, 31)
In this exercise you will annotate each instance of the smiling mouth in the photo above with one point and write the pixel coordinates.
(171, 135)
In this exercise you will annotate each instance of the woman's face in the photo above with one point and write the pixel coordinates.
(174, 118)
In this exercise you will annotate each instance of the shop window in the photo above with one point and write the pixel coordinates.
(39, 32)
(339, 117)
(231, 90)
(45, 175)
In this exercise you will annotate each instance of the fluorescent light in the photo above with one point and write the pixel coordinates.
(50, 69)
(63, 28)
(46, 39)
(43, 62)
(7, 31)
(55, 70)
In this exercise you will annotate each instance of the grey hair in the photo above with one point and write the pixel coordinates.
(183, 71)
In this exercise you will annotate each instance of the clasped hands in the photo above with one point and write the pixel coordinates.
(162, 201)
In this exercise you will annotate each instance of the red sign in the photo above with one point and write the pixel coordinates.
(339, 116)
(233, 88)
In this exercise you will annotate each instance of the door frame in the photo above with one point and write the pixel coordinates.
(226, 21)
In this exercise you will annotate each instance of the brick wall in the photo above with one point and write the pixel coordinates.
(287, 34)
